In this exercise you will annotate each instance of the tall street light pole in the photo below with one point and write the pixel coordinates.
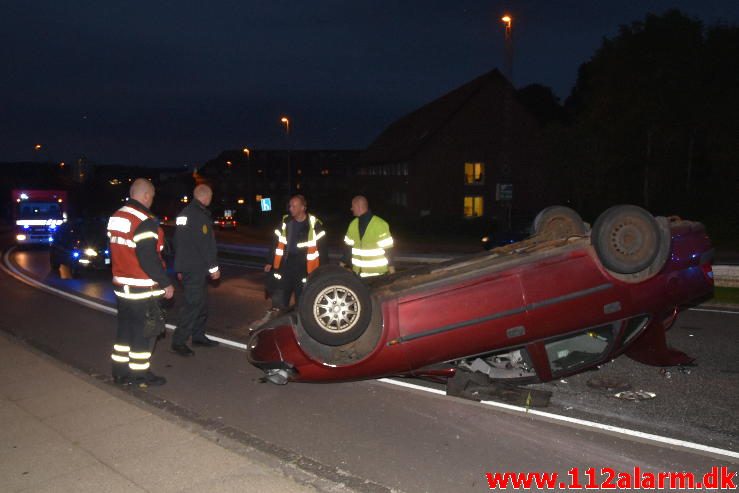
(249, 194)
(508, 64)
(285, 121)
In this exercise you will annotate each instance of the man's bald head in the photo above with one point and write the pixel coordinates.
(203, 194)
(359, 205)
(142, 191)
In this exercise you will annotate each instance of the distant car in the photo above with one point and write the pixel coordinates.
(167, 221)
(225, 222)
(558, 303)
(80, 245)
(496, 237)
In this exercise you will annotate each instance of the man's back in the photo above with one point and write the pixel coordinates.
(193, 240)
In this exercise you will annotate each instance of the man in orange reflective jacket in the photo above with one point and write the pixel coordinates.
(299, 249)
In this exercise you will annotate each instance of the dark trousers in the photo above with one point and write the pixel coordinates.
(293, 272)
(194, 311)
(131, 350)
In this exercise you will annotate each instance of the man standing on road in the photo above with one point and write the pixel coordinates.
(368, 241)
(195, 261)
(298, 250)
(139, 281)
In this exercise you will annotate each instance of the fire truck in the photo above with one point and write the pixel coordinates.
(37, 214)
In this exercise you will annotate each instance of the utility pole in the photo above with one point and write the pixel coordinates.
(508, 47)
(286, 121)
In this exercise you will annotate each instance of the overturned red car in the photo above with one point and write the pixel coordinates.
(560, 302)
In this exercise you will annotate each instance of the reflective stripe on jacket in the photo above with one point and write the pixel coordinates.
(368, 251)
(129, 279)
(311, 245)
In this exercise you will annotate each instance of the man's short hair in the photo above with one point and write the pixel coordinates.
(301, 198)
(139, 187)
(202, 190)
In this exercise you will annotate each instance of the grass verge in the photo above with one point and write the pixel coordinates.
(726, 295)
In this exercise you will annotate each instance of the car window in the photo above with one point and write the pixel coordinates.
(581, 349)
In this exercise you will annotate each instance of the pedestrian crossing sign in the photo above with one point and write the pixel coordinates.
(266, 204)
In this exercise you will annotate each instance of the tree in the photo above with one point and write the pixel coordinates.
(653, 114)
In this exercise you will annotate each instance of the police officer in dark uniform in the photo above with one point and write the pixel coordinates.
(196, 261)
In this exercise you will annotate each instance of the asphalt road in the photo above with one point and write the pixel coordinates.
(374, 436)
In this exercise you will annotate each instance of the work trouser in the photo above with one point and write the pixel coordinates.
(132, 349)
(293, 274)
(194, 310)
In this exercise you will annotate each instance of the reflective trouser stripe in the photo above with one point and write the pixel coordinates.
(143, 356)
(120, 353)
(139, 361)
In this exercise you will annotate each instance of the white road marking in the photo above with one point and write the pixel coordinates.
(581, 422)
(11, 270)
(712, 310)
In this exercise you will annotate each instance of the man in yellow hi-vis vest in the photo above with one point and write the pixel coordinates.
(368, 242)
(298, 250)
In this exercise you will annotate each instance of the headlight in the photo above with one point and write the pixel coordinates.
(90, 252)
(485, 239)
(20, 237)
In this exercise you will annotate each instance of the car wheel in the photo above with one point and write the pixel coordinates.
(559, 222)
(74, 271)
(335, 307)
(54, 264)
(628, 240)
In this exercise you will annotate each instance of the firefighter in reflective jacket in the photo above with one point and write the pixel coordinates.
(299, 250)
(368, 242)
(139, 280)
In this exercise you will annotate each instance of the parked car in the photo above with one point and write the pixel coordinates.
(225, 222)
(80, 245)
(560, 302)
(497, 236)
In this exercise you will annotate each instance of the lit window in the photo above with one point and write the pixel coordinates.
(473, 206)
(474, 173)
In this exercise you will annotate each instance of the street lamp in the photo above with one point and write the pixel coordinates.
(286, 121)
(508, 21)
(249, 205)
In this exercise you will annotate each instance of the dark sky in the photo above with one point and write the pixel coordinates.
(175, 82)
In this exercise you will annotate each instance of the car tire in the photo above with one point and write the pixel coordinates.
(335, 307)
(54, 264)
(559, 222)
(628, 240)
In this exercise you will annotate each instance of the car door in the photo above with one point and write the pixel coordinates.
(464, 318)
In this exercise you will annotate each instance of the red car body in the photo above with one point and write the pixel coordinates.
(553, 304)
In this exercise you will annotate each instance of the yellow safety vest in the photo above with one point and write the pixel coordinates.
(368, 252)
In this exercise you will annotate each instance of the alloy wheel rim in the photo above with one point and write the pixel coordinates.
(336, 309)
